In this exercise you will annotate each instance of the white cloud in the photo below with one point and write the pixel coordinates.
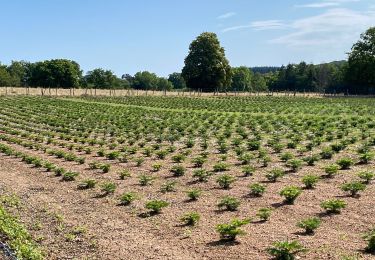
(334, 26)
(258, 26)
(318, 5)
(226, 15)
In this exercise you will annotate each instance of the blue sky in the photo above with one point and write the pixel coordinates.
(127, 36)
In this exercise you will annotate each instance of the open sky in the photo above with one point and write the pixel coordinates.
(127, 36)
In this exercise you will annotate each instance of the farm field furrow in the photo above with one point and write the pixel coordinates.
(151, 177)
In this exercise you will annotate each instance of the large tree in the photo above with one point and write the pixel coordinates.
(100, 78)
(145, 80)
(177, 80)
(241, 79)
(361, 67)
(206, 67)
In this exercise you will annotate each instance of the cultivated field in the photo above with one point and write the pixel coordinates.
(88, 176)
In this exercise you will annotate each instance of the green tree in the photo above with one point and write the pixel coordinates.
(361, 67)
(5, 78)
(206, 67)
(145, 80)
(241, 79)
(259, 82)
(100, 78)
(164, 84)
(177, 80)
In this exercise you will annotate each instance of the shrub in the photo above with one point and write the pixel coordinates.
(221, 167)
(366, 176)
(265, 160)
(290, 194)
(59, 171)
(49, 166)
(353, 187)
(202, 175)
(139, 161)
(285, 250)
(87, 184)
(108, 188)
(229, 203)
(168, 187)
(333, 206)
(145, 180)
(326, 153)
(286, 156)
(156, 167)
(294, 164)
(370, 238)
(309, 224)
(113, 155)
(198, 161)
(124, 174)
(366, 157)
(331, 170)
(178, 170)
(229, 232)
(225, 181)
(178, 158)
(274, 174)
(190, 219)
(248, 170)
(311, 160)
(257, 189)
(194, 194)
(156, 205)
(161, 154)
(246, 158)
(264, 213)
(105, 167)
(345, 163)
(310, 181)
(127, 198)
(70, 176)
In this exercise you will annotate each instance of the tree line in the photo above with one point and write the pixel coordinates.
(207, 69)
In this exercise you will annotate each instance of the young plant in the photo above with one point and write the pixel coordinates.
(178, 170)
(124, 174)
(286, 156)
(190, 219)
(264, 214)
(331, 170)
(310, 181)
(229, 203)
(366, 176)
(87, 184)
(248, 170)
(198, 161)
(108, 188)
(229, 232)
(145, 180)
(311, 160)
(290, 194)
(221, 167)
(274, 174)
(202, 175)
(257, 189)
(366, 157)
(309, 224)
(194, 194)
(353, 187)
(294, 164)
(178, 158)
(70, 176)
(333, 206)
(156, 205)
(225, 181)
(169, 186)
(127, 198)
(285, 250)
(370, 239)
(156, 167)
(345, 163)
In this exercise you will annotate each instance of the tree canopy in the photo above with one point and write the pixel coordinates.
(206, 67)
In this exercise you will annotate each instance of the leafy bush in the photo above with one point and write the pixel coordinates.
(370, 238)
(70, 176)
(194, 194)
(139, 161)
(331, 170)
(221, 167)
(178, 170)
(229, 232)
(87, 184)
(366, 176)
(285, 250)
(264, 213)
(246, 158)
(274, 174)
(366, 157)
(145, 180)
(105, 167)
(311, 160)
(225, 181)
(156, 205)
(127, 198)
(198, 161)
(229, 203)
(333, 206)
(309, 224)
(108, 188)
(59, 171)
(257, 189)
(326, 153)
(168, 186)
(290, 194)
(248, 170)
(286, 156)
(310, 181)
(124, 174)
(294, 164)
(202, 175)
(156, 167)
(353, 187)
(190, 219)
(345, 163)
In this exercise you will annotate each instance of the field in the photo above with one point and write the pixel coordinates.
(86, 175)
